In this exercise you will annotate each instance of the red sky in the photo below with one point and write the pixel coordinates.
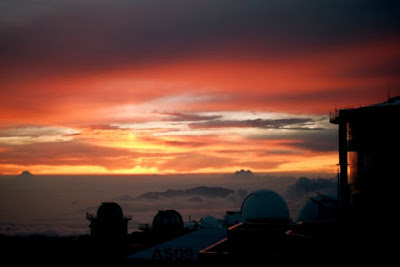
(150, 87)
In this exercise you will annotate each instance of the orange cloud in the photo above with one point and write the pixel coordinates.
(113, 150)
(312, 82)
(191, 114)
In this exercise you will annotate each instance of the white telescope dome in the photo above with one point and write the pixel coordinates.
(265, 205)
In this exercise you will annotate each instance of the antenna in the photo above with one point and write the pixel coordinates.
(388, 86)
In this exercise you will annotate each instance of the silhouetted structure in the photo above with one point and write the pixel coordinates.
(319, 208)
(267, 233)
(264, 206)
(168, 223)
(369, 145)
(209, 222)
(265, 216)
(110, 222)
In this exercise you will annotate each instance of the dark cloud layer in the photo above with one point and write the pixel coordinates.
(86, 35)
(390, 68)
(176, 116)
(256, 123)
(318, 140)
(325, 141)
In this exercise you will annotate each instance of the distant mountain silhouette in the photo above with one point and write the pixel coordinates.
(244, 173)
(204, 191)
(195, 200)
(25, 174)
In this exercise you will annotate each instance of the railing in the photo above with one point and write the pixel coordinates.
(334, 116)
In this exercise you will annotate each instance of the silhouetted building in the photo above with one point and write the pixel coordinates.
(369, 145)
(167, 223)
(109, 223)
(265, 219)
(319, 208)
(265, 232)
(264, 206)
(209, 222)
(232, 217)
(260, 235)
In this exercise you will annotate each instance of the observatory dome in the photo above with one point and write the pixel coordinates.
(168, 222)
(264, 205)
(209, 222)
(109, 211)
(318, 208)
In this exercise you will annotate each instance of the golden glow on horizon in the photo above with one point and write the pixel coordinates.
(126, 139)
(10, 169)
(146, 152)
(319, 163)
(117, 139)
(316, 163)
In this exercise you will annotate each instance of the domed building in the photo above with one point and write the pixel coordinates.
(319, 208)
(261, 233)
(264, 206)
(209, 222)
(109, 221)
(168, 223)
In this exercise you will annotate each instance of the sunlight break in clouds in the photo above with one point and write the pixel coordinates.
(177, 142)
(24, 135)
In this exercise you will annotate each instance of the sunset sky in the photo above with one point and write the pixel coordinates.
(159, 86)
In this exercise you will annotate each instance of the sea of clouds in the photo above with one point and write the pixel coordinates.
(57, 205)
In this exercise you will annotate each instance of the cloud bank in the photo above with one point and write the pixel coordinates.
(141, 197)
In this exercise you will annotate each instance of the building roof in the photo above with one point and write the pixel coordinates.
(390, 102)
(342, 114)
(109, 210)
